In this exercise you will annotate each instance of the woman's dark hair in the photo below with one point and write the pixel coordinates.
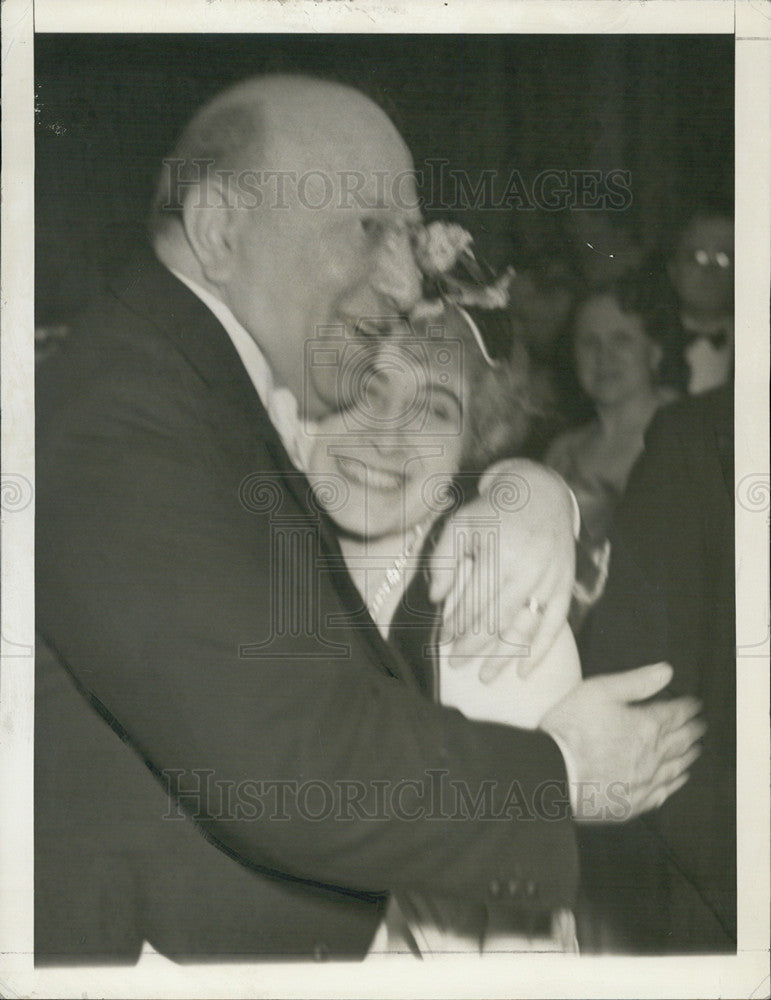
(646, 292)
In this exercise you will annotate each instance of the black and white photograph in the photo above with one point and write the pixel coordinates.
(399, 476)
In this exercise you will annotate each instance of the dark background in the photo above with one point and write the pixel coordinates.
(108, 107)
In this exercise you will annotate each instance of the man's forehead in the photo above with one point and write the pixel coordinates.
(347, 144)
(360, 177)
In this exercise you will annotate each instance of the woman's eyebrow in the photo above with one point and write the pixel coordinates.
(437, 387)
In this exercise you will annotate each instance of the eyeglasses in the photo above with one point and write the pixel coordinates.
(705, 258)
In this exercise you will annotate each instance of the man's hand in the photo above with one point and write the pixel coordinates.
(504, 567)
(624, 758)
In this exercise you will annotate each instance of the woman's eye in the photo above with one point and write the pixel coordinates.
(375, 389)
(441, 411)
(377, 376)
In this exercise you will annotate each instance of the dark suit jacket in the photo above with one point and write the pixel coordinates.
(201, 640)
(668, 882)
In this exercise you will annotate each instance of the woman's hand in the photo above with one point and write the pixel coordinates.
(504, 568)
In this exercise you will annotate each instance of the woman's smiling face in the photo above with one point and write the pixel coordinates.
(384, 463)
(615, 357)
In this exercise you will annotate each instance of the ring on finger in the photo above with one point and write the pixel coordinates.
(535, 607)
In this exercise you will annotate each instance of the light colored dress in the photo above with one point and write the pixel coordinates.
(511, 699)
(597, 470)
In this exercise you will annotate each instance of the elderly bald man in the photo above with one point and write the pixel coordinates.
(218, 773)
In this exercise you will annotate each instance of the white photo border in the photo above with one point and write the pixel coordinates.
(742, 975)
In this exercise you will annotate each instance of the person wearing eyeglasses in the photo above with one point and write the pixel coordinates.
(198, 633)
(702, 273)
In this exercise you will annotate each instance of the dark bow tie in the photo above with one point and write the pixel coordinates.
(718, 339)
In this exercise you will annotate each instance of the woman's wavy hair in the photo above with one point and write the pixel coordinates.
(497, 406)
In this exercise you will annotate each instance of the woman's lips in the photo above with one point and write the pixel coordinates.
(367, 475)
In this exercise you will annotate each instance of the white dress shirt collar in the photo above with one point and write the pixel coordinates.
(279, 402)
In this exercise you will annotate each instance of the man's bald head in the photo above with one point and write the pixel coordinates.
(291, 125)
(292, 200)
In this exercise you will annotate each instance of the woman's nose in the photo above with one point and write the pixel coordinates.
(397, 276)
(390, 421)
(392, 424)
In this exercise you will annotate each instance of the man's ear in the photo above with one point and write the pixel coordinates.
(211, 219)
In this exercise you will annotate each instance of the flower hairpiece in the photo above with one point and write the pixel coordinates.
(452, 274)
(444, 254)
(439, 246)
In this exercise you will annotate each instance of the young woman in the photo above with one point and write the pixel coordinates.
(431, 410)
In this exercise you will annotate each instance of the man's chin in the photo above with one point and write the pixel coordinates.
(321, 392)
(320, 397)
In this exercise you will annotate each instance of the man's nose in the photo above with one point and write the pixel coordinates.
(397, 276)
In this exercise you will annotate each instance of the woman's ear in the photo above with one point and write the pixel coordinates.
(210, 219)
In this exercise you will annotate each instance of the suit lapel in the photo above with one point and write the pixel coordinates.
(723, 428)
(356, 615)
(153, 293)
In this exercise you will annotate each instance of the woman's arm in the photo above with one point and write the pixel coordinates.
(514, 546)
